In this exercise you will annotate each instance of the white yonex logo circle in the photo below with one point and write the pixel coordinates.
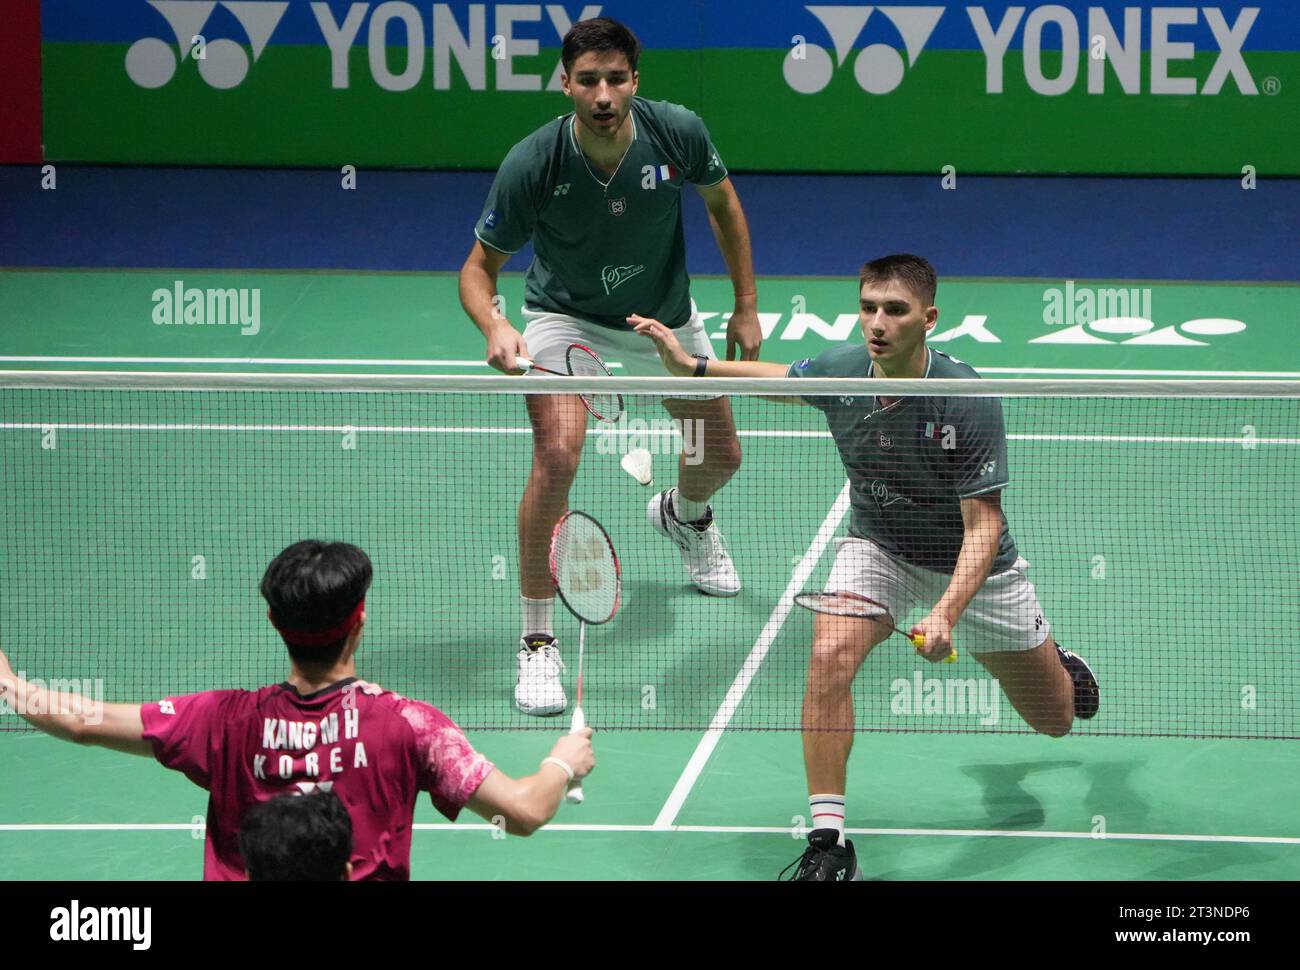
(222, 63)
(878, 68)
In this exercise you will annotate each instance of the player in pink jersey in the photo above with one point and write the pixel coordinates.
(323, 728)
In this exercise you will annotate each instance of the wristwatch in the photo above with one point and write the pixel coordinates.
(701, 365)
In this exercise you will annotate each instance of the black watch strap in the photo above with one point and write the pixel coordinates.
(701, 365)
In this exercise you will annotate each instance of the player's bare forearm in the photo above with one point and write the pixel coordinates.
(521, 805)
(982, 524)
(745, 368)
(731, 231)
(73, 717)
(478, 288)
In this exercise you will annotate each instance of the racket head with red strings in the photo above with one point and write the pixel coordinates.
(582, 361)
(586, 574)
(846, 603)
(585, 569)
(841, 603)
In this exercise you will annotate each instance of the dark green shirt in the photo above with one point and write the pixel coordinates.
(601, 252)
(911, 464)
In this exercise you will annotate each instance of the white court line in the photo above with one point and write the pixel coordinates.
(1145, 439)
(257, 361)
(736, 693)
(718, 830)
(392, 362)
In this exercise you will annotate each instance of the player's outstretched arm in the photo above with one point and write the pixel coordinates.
(526, 804)
(72, 717)
(681, 364)
(478, 295)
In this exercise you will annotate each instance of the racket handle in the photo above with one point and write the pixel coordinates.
(918, 641)
(574, 793)
(523, 363)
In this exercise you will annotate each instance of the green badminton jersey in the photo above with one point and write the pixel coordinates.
(911, 464)
(604, 246)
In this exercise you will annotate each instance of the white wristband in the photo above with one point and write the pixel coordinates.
(562, 765)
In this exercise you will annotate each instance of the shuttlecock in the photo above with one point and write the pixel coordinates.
(639, 465)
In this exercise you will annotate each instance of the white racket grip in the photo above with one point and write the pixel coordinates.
(574, 794)
(523, 363)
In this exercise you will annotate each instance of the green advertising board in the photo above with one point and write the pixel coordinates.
(1101, 88)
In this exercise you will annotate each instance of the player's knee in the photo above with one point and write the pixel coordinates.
(557, 459)
(1057, 725)
(834, 662)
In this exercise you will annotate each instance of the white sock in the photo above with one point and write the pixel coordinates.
(828, 813)
(538, 616)
(687, 510)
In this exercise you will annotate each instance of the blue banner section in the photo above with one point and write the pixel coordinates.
(689, 24)
(668, 24)
(801, 225)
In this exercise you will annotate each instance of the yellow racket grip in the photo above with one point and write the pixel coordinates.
(918, 641)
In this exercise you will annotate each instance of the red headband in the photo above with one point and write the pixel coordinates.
(319, 638)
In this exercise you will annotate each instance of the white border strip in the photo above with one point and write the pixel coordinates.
(614, 365)
(716, 829)
(617, 432)
(665, 386)
(256, 361)
(736, 693)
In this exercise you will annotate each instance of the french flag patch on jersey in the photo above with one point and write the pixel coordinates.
(666, 173)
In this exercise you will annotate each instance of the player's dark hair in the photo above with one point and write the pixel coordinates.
(912, 271)
(314, 585)
(297, 838)
(602, 35)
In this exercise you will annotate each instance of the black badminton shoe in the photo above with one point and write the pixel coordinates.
(825, 860)
(1087, 695)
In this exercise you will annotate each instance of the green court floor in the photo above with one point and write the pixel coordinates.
(139, 484)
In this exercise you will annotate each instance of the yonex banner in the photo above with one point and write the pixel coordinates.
(1104, 87)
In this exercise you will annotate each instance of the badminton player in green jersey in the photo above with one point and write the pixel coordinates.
(927, 529)
(598, 192)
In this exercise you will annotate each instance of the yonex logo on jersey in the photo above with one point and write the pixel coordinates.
(615, 276)
(223, 63)
(491, 220)
(878, 68)
(562, 189)
(988, 468)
